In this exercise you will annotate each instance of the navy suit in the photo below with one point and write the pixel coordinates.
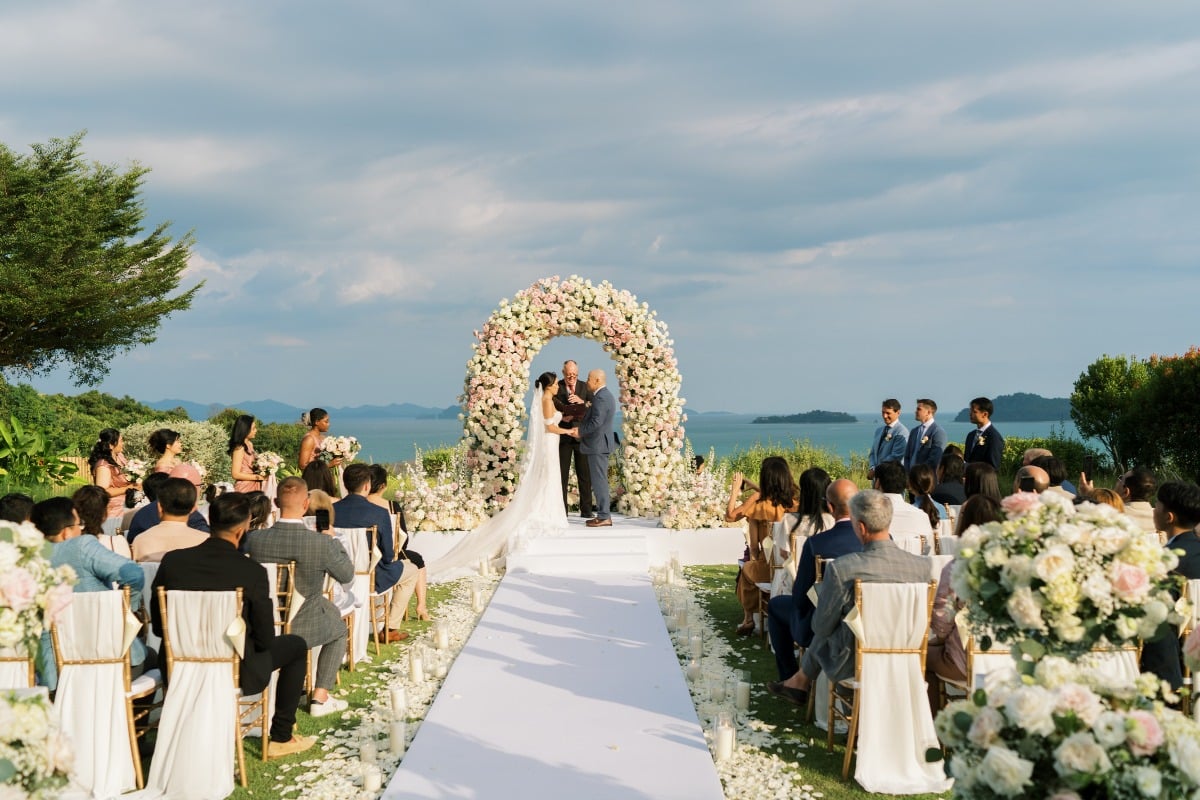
(927, 452)
(1163, 656)
(991, 451)
(597, 441)
(884, 448)
(789, 619)
(356, 511)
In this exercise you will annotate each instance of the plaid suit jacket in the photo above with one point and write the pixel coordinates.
(879, 562)
(316, 555)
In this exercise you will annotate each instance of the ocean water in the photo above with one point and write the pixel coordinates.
(393, 440)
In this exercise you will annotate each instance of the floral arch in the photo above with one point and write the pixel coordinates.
(646, 370)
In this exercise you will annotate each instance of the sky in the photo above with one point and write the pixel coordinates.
(828, 204)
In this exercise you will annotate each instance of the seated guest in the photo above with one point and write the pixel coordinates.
(775, 495)
(907, 523)
(949, 489)
(356, 511)
(16, 507)
(981, 478)
(317, 475)
(1031, 480)
(214, 566)
(91, 502)
(921, 483)
(1031, 458)
(811, 517)
(1056, 473)
(978, 510)
(176, 502)
(379, 479)
(1135, 487)
(317, 555)
(1108, 497)
(789, 619)
(97, 569)
(319, 501)
(881, 561)
(1177, 513)
(147, 516)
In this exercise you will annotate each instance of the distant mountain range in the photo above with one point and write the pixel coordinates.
(818, 416)
(274, 411)
(1025, 407)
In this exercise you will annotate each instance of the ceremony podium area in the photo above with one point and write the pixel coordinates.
(569, 685)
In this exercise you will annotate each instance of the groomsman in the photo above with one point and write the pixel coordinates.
(926, 441)
(890, 438)
(985, 442)
(572, 399)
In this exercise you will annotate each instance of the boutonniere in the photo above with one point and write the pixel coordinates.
(981, 441)
(887, 438)
(924, 440)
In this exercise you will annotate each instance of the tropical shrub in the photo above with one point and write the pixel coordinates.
(26, 459)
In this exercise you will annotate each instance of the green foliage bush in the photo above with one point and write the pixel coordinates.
(202, 442)
(1068, 450)
(25, 458)
(801, 455)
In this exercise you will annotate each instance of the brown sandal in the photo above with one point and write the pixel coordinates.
(746, 628)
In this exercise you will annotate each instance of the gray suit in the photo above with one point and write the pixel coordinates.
(316, 555)
(832, 650)
(597, 442)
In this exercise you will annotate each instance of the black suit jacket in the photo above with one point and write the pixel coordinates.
(991, 451)
(217, 566)
(572, 414)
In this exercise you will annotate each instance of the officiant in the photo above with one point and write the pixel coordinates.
(571, 399)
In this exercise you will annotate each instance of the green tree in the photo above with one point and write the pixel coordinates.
(1169, 410)
(81, 282)
(1104, 406)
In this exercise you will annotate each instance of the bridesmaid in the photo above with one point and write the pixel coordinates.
(241, 455)
(318, 474)
(106, 460)
(167, 445)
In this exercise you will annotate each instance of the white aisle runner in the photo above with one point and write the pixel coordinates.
(569, 687)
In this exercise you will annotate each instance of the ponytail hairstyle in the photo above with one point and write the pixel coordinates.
(921, 482)
(545, 379)
(102, 449)
(241, 429)
(311, 418)
(161, 439)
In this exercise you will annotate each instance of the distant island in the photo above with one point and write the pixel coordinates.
(818, 416)
(1025, 407)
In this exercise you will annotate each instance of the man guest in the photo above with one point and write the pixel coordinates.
(595, 434)
(572, 399)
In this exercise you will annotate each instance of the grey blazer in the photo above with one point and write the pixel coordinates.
(596, 429)
(879, 562)
(316, 555)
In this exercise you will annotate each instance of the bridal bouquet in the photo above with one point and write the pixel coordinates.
(334, 447)
(1064, 577)
(1068, 733)
(35, 757)
(267, 463)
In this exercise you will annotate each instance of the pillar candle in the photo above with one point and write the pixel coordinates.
(372, 779)
(416, 665)
(399, 736)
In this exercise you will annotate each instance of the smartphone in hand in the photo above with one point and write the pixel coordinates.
(1089, 466)
(322, 519)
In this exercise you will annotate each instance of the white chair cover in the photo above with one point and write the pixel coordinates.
(783, 579)
(354, 540)
(194, 757)
(895, 723)
(150, 571)
(1119, 665)
(937, 564)
(914, 544)
(1193, 596)
(90, 701)
(14, 668)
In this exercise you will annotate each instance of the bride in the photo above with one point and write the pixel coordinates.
(536, 509)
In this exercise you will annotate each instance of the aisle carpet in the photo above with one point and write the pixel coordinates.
(569, 687)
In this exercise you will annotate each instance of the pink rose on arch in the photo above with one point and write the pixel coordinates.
(19, 589)
(1129, 582)
(1143, 733)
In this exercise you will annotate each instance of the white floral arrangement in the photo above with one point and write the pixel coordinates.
(696, 499)
(448, 501)
(1061, 579)
(646, 371)
(335, 447)
(1069, 732)
(136, 469)
(267, 463)
(35, 756)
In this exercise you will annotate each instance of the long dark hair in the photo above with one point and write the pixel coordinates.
(545, 379)
(241, 429)
(102, 450)
(978, 510)
(813, 483)
(318, 475)
(92, 504)
(775, 482)
(981, 479)
(161, 439)
(921, 482)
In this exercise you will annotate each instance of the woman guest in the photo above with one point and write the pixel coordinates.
(317, 474)
(775, 495)
(91, 502)
(166, 445)
(922, 480)
(106, 460)
(241, 455)
(811, 518)
(981, 478)
(379, 479)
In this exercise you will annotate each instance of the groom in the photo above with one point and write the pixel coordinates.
(595, 433)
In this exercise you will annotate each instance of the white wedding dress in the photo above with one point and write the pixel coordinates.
(535, 511)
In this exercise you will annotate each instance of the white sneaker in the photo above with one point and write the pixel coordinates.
(331, 706)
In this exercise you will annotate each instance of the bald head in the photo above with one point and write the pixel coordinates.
(838, 496)
(1031, 479)
(596, 379)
